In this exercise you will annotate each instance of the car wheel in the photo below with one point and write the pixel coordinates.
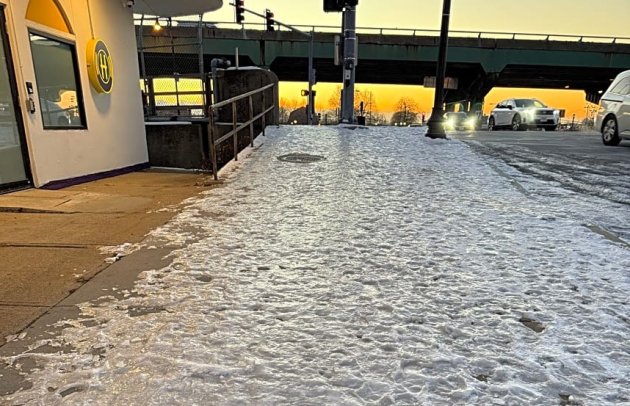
(491, 124)
(610, 134)
(552, 128)
(516, 122)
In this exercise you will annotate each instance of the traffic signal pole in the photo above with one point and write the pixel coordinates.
(349, 64)
(311, 71)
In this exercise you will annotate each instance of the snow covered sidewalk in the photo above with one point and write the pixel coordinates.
(395, 270)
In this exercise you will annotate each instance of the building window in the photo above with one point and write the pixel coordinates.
(60, 98)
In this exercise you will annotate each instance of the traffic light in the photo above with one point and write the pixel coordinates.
(239, 7)
(270, 21)
(338, 5)
(333, 5)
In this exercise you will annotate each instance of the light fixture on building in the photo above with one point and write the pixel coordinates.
(567, 86)
(156, 26)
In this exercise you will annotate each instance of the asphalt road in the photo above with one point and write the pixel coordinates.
(579, 146)
(576, 162)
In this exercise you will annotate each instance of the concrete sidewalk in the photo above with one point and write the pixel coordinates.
(341, 267)
(50, 240)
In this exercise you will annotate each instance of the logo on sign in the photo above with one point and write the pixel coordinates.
(100, 66)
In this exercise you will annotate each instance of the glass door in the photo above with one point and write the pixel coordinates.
(13, 157)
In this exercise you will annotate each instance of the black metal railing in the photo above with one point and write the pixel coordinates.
(213, 126)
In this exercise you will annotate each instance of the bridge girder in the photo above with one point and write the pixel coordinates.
(478, 63)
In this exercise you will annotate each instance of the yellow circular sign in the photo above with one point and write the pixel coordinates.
(100, 66)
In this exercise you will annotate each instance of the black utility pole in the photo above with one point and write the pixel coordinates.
(436, 122)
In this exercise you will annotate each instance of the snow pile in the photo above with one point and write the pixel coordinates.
(117, 252)
(397, 270)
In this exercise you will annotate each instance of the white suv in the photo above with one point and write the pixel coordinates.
(613, 117)
(521, 114)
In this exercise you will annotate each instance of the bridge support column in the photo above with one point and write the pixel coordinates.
(593, 96)
(461, 105)
(476, 106)
(471, 96)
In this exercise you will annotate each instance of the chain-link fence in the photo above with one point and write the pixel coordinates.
(171, 67)
(174, 96)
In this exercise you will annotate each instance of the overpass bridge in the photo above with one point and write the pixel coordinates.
(480, 61)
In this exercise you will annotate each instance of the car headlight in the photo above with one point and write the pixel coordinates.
(471, 122)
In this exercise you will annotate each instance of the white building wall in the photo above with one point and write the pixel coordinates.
(115, 135)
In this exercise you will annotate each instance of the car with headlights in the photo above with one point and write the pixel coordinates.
(459, 121)
(521, 114)
(613, 116)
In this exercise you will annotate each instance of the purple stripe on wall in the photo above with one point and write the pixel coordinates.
(60, 184)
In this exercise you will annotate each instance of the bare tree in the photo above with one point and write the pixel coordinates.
(286, 107)
(369, 104)
(334, 103)
(406, 111)
(379, 119)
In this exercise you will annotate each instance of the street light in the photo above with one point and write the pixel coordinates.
(157, 27)
(436, 121)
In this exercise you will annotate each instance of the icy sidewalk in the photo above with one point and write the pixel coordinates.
(397, 270)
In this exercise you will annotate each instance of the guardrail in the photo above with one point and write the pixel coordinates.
(423, 32)
(236, 126)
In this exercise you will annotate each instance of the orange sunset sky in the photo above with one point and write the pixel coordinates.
(573, 17)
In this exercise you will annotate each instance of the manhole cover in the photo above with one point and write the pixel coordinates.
(300, 158)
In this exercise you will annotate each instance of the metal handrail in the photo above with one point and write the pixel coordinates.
(236, 125)
(241, 96)
(431, 32)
